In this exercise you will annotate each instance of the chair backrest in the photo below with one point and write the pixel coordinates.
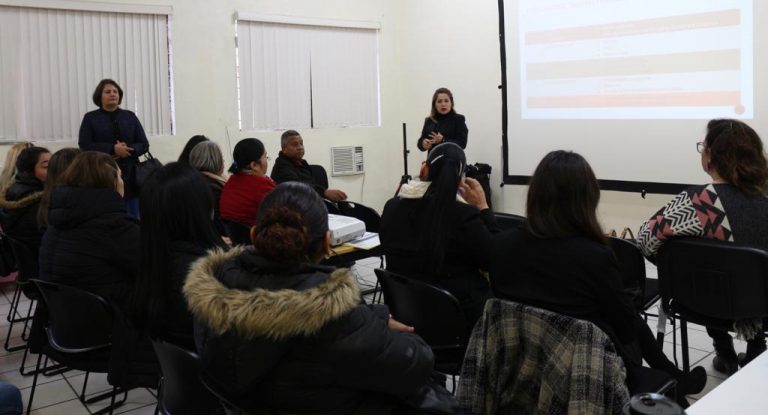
(508, 220)
(26, 261)
(182, 390)
(239, 232)
(632, 267)
(331, 207)
(434, 313)
(519, 354)
(78, 320)
(714, 278)
(369, 216)
(319, 174)
(230, 408)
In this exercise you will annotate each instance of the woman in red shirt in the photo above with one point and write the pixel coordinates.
(249, 183)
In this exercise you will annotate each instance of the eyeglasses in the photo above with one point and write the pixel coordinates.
(700, 146)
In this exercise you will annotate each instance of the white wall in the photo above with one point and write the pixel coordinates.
(424, 45)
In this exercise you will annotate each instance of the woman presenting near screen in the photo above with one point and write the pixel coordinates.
(117, 132)
(443, 124)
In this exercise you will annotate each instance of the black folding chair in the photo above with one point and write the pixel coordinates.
(712, 283)
(433, 312)
(644, 291)
(28, 268)
(508, 220)
(79, 332)
(181, 390)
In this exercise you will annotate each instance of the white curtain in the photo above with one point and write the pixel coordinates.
(51, 61)
(300, 76)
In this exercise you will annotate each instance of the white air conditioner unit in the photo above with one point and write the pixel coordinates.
(347, 160)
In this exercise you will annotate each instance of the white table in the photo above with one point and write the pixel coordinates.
(744, 393)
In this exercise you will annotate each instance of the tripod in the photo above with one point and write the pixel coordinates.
(406, 177)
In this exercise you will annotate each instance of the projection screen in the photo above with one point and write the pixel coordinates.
(629, 84)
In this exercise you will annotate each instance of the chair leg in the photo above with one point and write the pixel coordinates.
(14, 302)
(34, 383)
(684, 345)
(24, 334)
(674, 341)
(85, 382)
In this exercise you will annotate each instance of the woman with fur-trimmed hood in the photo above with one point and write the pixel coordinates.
(21, 200)
(278, 333)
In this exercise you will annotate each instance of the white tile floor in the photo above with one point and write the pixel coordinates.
(58, 394)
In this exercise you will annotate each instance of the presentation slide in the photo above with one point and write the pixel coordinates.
(636, 59)
(630, 84)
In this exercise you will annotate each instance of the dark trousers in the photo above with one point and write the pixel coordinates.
(723, 343)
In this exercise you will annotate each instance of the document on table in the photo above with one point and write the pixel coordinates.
(369, 240)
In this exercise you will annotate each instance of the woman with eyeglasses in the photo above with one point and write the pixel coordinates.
(733, 207)
(438, 230)
(248, 184)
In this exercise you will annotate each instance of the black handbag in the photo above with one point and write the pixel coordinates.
(145, 168)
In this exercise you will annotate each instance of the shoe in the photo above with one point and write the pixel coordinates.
(726, 366)
(692, 382)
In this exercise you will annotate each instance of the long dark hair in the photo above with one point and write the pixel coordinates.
(562, 198)
(433, 111)
(27, 160)
(91, 169)
(736, 152)
(446, 164)
(191, 143)
(176, 205)
(59, 162)
(291, 224)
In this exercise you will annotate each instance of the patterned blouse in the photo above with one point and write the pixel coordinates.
(713, 211)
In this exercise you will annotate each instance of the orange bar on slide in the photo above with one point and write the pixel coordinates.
(707, 61)
(661, 99)
(637, 27)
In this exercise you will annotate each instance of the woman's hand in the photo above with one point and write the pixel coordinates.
(398, 326)
(437, 138)
(427, 144)
(122, 150)
(471, 190)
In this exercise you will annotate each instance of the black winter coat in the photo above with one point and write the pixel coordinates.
(285, 170)
(91, 242)
(177, 324)
(298, 340)
(20, 203)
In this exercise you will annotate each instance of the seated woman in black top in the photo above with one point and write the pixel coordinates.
(278, 333)
(430, 233)
(21, 200)
(91, 242)
(559, 260)
(444, 124)
(176, 230)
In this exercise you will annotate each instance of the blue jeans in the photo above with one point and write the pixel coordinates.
(10, 400)
(133, 206)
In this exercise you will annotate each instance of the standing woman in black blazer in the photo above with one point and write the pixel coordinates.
(444, 124)
(117, 132)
